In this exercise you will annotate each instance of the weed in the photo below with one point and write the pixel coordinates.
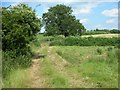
(109, 48)
(99, 51)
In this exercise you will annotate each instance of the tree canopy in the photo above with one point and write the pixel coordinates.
(19, 26)
(60, 21)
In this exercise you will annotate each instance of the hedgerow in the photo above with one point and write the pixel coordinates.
(88, 41)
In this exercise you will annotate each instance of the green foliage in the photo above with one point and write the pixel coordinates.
(109, 48)
(36, 42)
(10, 62)
(19, 28)
(88, 41)
(115, 31)
(99, 31)
(60, 21)
(99, 51)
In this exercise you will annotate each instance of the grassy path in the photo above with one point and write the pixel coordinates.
(37, 79)
(53, 71)
(62, 66)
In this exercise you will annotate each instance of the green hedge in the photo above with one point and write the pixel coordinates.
(88, 41)
(11, 61)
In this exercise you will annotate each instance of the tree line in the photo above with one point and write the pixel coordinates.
(101, 31)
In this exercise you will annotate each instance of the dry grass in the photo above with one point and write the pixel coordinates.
(103, 35)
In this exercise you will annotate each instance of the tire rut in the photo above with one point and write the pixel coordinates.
(60, 64)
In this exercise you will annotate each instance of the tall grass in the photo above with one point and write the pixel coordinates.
(14, 65)
(100, 68)
(17, 78)
(10, 62)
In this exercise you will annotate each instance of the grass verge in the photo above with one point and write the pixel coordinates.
(18, 78)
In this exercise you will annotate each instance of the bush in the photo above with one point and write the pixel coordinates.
(10, 62)
(99, 51)
(36, 42)
(58, 43)
(109, 48)
(18, 30)
(88, 41)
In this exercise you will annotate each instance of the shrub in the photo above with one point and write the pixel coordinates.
(88, 41)
(36, 42)
(18, 30)
(99, 51)
(21, 29)
(10, 62)
(109, 48)
(58, 43)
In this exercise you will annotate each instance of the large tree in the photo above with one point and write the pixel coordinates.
(60, 21)
(19, 26)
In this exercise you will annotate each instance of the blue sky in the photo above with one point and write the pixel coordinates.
(101, 15)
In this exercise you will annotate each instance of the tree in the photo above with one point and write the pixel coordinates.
(115, 31)
(60, 21)
(19, 26)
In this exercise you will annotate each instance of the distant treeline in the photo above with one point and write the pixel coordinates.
(98, 31)
(103, 31)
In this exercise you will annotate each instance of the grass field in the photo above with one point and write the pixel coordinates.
(68, 67)
(101, 69)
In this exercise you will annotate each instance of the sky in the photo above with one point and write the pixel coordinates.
(92, 14)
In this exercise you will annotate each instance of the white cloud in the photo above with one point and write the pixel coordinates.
(39, 16)
(85, 8)
(83, 20)
(111, 13)
(111, 21)
(98, 27)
